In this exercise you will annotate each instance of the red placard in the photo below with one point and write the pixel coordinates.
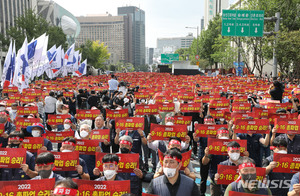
(164, 132)
(57, 137)
(27, 187)
(240, 98)
(130, 123)
(276, 106)
(65, 161)
(13, 89)
(182, 120)
(186, 96)
(101, 135)
(146, 109)
(141, 95)
(241, 107)
(232, 193)
(190, 107)
(90, 187)
(127, 162)
(216, 113)
(147, 194)
(273, 116)
(287, 163)
(166, 107)
(33, 92)
(27, 99)
(2, 128)
(186, 157)
(289, 126)
(14, 96)
(57, 119)
(21, 122)
(252, 126)
(87, 114)
(86, 146)
(262, 112)
(203, 130)
(238, 115)
(219, 146)
(219, 104)
(68, 94)
(228, 174)
(32, 144)
(112, 114)
(208, 98)
(27, 110)
(12, 157)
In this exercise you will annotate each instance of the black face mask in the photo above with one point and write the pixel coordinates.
(14, 145)
(249, 177)
(125, 150)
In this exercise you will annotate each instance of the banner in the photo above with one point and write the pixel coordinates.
(219, 146)
(229, 174)
(219, 104)
(127, 162)
(186, 157)
(27, 187)
(287, 163)
(146, 109)
(86, 146)
(57, 137)
(12, 157)
(216, 113)
(100, 135)
(87, 114)
(97, 188)
(203, 130)
(289, 126)
(241, 107)
(112, 114)
(130, 123)
(182, 120)
(57, 119)
(164, 132)
(166, 107)
(252, 126)
(65, 161)
(190, 107)
(32, 144)
(25, 111)
(21, 122)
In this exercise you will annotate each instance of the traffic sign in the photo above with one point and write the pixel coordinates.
(169, 58)
(248, 23)
(197, 56)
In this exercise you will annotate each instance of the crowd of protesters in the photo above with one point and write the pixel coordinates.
(66, 96)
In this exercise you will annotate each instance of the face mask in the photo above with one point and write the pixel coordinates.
(64, 111)
(67, 126)
(2, 108)
(249, 177)
(176, 149)
(124, 150)
(234, 156)
(223, 138)
(169, 172)
(84, 134)
(35, 133)
(14, 111)
(66, 150)
(169, 123)
(222, 119)
(44, 173)
(109, 174)
(14, 145)
(282, 152)
(2, 120)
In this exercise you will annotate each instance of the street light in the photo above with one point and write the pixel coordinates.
(197, 37)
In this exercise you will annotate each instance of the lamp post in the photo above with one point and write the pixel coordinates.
(197, 53)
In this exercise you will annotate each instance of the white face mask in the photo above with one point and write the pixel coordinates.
(67, 126)
(169, 123)
(282, 152)
(2, 108)
(64, 111)
(35, 133)
(234, 156)
(66, 150)
(169, 172)
(109, 174)
(222, 119)
(223, 138)
(84, 134)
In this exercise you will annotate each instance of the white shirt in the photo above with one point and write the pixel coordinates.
(113, 84)
(50, 104)
(58, 104)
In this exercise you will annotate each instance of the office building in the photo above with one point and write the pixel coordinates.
(212, 8)
(149, 56)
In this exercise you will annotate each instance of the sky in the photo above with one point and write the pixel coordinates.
(164, 18)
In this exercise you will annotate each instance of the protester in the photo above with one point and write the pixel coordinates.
(110, 168)
(50, 104)
(276, 91)
(113, 85)
(65, 187)
(8, 127)
(37, 130)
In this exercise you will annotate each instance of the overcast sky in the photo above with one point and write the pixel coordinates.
(164, 18)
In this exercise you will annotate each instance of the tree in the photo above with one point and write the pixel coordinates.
(31, 25)
(95, 53)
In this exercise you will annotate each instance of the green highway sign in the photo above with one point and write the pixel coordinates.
(248, 23)
(169, 58)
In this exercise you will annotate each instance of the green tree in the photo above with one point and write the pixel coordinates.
(183, 53)
(95, 53)
(31, 25)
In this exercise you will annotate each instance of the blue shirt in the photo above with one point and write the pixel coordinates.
(295, 180)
